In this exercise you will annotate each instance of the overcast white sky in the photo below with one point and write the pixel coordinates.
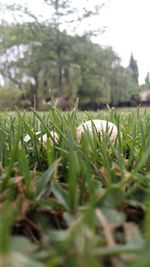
(128, 31)
(128, 28)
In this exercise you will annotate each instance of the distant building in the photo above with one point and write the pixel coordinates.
(144, 96)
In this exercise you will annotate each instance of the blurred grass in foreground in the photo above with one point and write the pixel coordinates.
(64, 204)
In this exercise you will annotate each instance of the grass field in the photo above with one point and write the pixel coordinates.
(74, 205)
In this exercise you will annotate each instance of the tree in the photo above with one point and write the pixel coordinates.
(48, 61)
(124, 89)
(62, 15)
(24, 49)
(96, 65)
(134, 68)
(147, 81)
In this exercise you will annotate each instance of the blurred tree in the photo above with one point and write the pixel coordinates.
(96, 65)
(60, 10)
(147, 81)
(134, 68)
(62, 15)
(22, 57)
(30, 60)
(124, 89)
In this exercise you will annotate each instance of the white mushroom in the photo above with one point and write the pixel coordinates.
(43, 138)
(53, 136)
(102, 127)
(27, 138)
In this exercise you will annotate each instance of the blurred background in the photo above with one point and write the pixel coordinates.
(60, 50)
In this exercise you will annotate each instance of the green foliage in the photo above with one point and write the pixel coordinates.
(48, 62)
(9, 97)
(134, 68)
(147, 81)
(122, 78)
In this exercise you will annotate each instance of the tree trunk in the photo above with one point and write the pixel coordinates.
(60, 80)
(59, 59)
(34, 94)
(36, 98)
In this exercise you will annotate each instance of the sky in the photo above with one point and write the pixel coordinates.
(127, 25)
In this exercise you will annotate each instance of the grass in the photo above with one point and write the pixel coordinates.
(69, 204)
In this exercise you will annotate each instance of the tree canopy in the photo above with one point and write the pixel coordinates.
(42, 60)
(134, 68)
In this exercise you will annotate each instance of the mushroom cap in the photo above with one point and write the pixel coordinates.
(43, 138)
(103, 127)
